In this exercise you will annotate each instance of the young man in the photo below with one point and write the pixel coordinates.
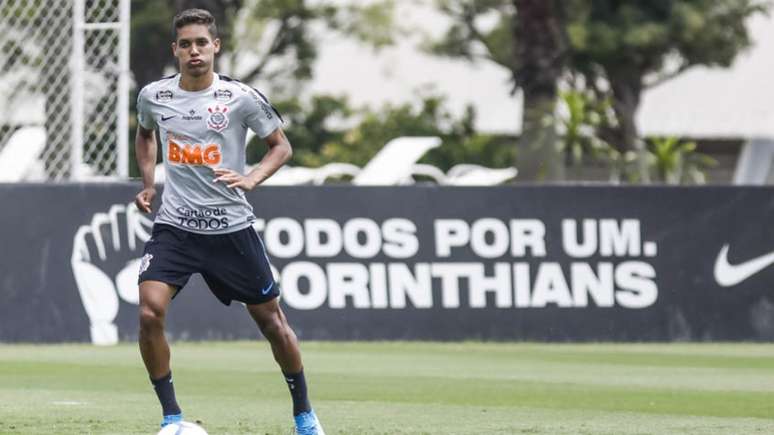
(204, 223)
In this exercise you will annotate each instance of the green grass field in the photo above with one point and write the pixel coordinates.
(401, 388)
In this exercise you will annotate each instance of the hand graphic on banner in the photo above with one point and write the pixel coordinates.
(108, 237)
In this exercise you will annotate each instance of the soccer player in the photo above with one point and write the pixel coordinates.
(204, 223)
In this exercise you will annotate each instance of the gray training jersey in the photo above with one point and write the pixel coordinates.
(201, 131)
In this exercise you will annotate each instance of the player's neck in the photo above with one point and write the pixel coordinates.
(192, 84)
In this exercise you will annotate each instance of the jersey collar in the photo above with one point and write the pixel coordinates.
(213, 85)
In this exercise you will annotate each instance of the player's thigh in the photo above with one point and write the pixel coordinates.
(238, 268)
(168, 261)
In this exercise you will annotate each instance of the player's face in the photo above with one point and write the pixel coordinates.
(195, 49)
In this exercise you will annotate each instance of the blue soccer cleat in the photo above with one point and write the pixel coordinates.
(173, 418)
(308, 424)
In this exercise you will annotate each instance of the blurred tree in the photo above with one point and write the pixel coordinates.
(276, 41)
(580, 121)
(583, 121)
(677, 162)
(526, 37)
(624, 47)
(621, 47)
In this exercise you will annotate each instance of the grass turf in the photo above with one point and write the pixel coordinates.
(400, 388)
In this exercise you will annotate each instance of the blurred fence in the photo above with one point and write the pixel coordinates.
(65, 69)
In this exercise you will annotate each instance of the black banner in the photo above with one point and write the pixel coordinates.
(436, 263)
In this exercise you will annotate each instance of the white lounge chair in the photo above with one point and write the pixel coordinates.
(394, 162)
(476, 175)
(430, 171)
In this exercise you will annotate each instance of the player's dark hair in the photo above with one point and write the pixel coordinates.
(194, 16)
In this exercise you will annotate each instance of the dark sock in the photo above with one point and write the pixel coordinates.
(165, 390)
(297, 386)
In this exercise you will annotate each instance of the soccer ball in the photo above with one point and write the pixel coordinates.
(182, 428)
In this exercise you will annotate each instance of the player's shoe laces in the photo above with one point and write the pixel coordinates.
(308, 424)
(173, 418)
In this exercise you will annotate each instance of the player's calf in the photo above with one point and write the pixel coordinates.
(284, 344)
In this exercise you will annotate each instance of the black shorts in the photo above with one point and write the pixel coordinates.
(233, 265)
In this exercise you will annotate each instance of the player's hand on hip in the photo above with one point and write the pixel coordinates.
(233, 179)
(144, 199)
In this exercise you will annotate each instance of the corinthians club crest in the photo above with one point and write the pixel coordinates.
(218, 120)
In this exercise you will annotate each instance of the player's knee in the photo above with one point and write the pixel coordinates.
(273, 328)
(151, 317)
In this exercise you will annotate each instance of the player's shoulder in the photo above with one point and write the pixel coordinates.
(240, 89)
(160, 90)
(248, 98)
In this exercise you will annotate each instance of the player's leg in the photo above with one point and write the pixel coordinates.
(274, 326)
(238, 269)
(154, 300)
(284, 345)
(166, 267)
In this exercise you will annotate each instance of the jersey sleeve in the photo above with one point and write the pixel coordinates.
(144, 113)
(261, 116)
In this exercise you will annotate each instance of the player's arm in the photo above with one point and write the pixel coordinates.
(145, 150)
(280, 151)
(278, 154)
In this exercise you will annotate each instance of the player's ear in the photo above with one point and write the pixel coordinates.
(216, 43)
(174, 48)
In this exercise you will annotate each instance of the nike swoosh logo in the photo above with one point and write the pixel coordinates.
(728, 275)
(166, 118)
(267, 289)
